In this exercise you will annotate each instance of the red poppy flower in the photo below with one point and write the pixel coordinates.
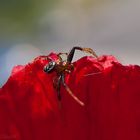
(29, 107)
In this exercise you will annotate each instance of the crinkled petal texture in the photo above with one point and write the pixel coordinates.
(29, 108)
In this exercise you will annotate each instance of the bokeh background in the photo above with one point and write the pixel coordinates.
(29, 28)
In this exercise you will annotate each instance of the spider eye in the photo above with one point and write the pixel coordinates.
(48, 68)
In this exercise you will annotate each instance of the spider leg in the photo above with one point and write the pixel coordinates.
(59, 54)
(71, 53)
(49, 58)
(87, 50)
(60, 57)
(58, 87)
(70, 92)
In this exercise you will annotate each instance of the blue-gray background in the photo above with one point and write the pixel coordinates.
(29, 28)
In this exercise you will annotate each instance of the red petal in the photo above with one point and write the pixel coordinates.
(111, 92)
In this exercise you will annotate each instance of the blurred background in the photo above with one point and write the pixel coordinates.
(29, 28)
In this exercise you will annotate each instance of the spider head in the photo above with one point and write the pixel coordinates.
(50, 67)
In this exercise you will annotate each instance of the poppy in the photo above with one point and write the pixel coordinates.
(29, 108)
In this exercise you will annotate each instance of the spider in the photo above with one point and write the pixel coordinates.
(61, 67)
